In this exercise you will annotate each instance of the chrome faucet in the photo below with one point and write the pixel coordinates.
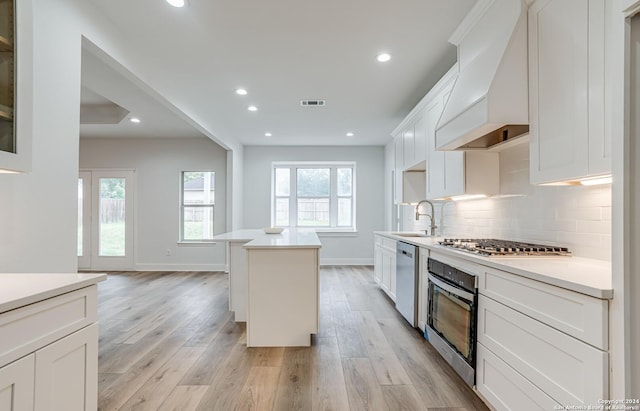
(431, 216)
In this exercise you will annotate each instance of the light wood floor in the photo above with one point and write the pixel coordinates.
(168, 342)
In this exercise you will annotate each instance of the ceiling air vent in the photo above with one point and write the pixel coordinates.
(312, 103)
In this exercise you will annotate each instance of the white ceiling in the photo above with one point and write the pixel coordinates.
(281, 51)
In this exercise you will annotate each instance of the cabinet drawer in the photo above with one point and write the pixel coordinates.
(389, 243)
(579, 315)
(566, 369)
(505, 389)
(26, 329)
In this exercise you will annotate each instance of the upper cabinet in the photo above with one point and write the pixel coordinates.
(16, 32)
(452, 174)
(567, 90)
(398, 168)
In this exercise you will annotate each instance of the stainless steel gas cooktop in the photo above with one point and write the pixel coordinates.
(490, 247)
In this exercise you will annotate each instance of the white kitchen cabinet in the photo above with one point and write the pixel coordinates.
(377, 260)
(385, 264)
(66, 373)
(16, 385)
(49, 353)
(423, 288)
(535, 340)
(419, 139)
(548, 358)
(455, 173)
(505, 389)
(414, 141)
(581, 316)
(568, 139)
(408, 146)
(398, 168)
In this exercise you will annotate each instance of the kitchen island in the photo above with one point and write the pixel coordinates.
(274, 285)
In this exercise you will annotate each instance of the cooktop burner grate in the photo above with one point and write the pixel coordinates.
(503, 248)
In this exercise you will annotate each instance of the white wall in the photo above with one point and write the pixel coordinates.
(576, 217)
(336, 248)
(38, 227)
(158, 164)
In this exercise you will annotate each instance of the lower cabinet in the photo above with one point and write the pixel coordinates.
(528, 356)
(66, 373)
(423, 288)
(49, 354)
(384, 270)
(505, 389)
(17, 384)
(63, 376)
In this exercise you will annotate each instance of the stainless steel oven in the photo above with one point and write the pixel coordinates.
(452, 317)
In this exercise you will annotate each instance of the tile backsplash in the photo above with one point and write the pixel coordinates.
(577, 217)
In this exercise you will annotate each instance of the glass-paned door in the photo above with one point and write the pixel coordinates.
(107, 233)
(84, 220)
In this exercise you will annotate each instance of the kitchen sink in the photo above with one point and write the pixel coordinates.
(410, 234)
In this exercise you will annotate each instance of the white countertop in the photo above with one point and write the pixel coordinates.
(17, 290)
(583, 275)
(289, 238)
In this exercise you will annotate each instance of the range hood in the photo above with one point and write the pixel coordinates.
(488, 105)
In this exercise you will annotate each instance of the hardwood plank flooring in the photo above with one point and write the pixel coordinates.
(168, 342)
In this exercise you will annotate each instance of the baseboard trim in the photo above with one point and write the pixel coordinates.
(346, 261)
(180, 267)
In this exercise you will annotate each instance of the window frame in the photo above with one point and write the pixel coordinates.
(182, 206)
(293, 167)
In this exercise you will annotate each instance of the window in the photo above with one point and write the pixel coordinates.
(197, 204)
(319, 195)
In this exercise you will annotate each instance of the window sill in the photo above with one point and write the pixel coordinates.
(210, 243)
(336, 232)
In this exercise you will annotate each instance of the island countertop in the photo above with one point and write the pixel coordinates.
(17, 290)
(289, 238)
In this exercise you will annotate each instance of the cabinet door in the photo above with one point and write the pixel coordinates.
(399, 155)
(377, 265)
(505, 389)
(16, 385)
(392, 275)
(386, 272)
(566, 94)
(67, 373)
(420, 139)
(550, 359)
(408, 147)
(435, 159)
(423, 288)
(445, 176)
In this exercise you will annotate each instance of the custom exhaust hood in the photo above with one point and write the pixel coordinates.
(488, 105)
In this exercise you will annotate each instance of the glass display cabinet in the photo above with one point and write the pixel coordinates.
(7, 76)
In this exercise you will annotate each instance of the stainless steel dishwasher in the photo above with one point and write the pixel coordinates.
(407, 281)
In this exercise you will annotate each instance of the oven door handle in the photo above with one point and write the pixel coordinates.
(453, 290)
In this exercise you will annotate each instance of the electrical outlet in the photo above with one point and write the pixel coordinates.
(168, 252)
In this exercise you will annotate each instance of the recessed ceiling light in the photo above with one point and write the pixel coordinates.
(252, 108)
(134, 120)
(176, 3)
(241, 92)
(349, 134)
(383, 57)
(267, 134)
